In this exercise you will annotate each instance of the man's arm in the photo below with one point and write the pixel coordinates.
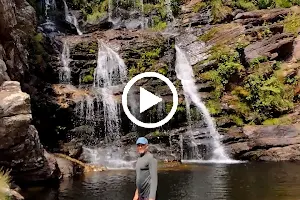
(136, 195)
(153, 174)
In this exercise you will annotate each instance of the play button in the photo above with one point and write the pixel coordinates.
(148, 100)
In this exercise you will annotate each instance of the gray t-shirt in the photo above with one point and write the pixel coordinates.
(146, 176)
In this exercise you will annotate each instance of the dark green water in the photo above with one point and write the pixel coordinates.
(257, 181)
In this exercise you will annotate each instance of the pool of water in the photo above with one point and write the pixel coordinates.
(244, 181)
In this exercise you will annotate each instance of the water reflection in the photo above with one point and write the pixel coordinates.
(268, 181)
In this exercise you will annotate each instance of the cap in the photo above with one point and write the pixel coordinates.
(142, 140)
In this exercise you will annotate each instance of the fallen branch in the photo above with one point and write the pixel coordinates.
(87, 167)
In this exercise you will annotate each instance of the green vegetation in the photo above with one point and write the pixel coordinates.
(278, 121)
(38, 54)
(198, 6)
(221, 9)
(97, 12)
(88, 77)
(4, 183)
(213, 106)
(267, 95)
(92, 9)
(228, 66)
(256, 95)
(291, 23)
(209, 34)
(147, 58)
(246, 5)
(158, 24)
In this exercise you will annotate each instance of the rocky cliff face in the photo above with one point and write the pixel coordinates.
(18, 24)
(245, 61)
(265, 143)
(20, 148)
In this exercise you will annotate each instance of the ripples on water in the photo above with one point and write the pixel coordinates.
(245, 181)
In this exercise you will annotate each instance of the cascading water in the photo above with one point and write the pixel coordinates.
(161, 110)
(110, 72)
(49, 5)
(184, 72)
(71, 18)
(142, 12)
(110, 6)
(65, 71)
(170, 16)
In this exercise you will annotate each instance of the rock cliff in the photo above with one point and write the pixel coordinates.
(245, 59)
(20, 148)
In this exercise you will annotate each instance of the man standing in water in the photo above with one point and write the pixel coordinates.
(146, 172)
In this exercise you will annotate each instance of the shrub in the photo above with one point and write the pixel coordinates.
(4, 183)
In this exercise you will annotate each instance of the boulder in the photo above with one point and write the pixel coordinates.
(278, 47)
(20, 148)
(258, 17)
(267, 143)
(66, 167)
(204, 16)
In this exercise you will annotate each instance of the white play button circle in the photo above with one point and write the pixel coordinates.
(147, 99)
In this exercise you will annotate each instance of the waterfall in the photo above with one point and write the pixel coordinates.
(111, 72)
(49, 5)
(142, 12)
(71, 18)
(49, 24)
(110, 6)
(111, 157)
(65, 71)
(161, 110)
(85, 109)
(184, 72)
(111, 69)
(169, 11)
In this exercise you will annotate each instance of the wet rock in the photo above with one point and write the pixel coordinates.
(193, 47)
(66, 167)
(101, 24)
(20, 148)
(277, 47)
(72, 148)
(3, 74)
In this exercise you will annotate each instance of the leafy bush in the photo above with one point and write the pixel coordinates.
(268, 96)
(198, 6)
(291, 23)
(246, 5)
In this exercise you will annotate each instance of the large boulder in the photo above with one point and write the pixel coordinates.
(267, 143)
(20, 148)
